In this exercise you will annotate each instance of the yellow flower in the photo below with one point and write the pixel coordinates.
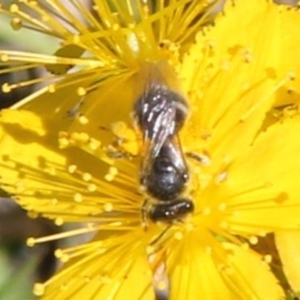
(57, 146)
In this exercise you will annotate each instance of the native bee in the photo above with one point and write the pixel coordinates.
(160, 113)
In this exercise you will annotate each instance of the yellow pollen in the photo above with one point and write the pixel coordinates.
(94, 144)
(32, 215)
(150, 250)
(72, 169)
(77, 197)
(4, 57)
(83, 120)
(58, 253)
(87, 176)
(109, 177)
(108, 207)
(82, 137)
(92, 187)
(132, 40)
(161, 285)
(119, 223)
(6, 88)
(16, 24)
(116, 27)
(221, 177)
(59, 221)
(253, 240)
(268, 258)
(262, 234)
(45, 18)
(51, 88)
(113, 170)
(76, 39)
(39, 289)
(119, 128)
(63, 142)
(81, 91)
(30, 242)
(178, 235)
(14, 8)
(64, 258)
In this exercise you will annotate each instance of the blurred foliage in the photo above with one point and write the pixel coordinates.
(16, 282)
(20, 265)
(25, 39)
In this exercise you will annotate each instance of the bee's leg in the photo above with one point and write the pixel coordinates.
(144, 211)
(115, 153)
(124, 143)
(161, 235)
(203, 158)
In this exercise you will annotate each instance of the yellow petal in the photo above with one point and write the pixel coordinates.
(229, 273)
(288, 245)
(194, 272)
(25, 120)
(262, 185)
(67, 184)
(233, 76)
(276, 43)
(114, 269)
(65, 107)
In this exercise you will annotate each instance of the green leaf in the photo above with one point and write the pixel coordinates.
(16, 282)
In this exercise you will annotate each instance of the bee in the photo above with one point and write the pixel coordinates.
(160, 114)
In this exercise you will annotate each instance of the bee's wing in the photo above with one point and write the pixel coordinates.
(159, 127)
(163, 127)
(176, 154)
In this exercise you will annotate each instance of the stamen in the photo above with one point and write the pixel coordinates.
(39, 289)
(32, 241)
(7, 88)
